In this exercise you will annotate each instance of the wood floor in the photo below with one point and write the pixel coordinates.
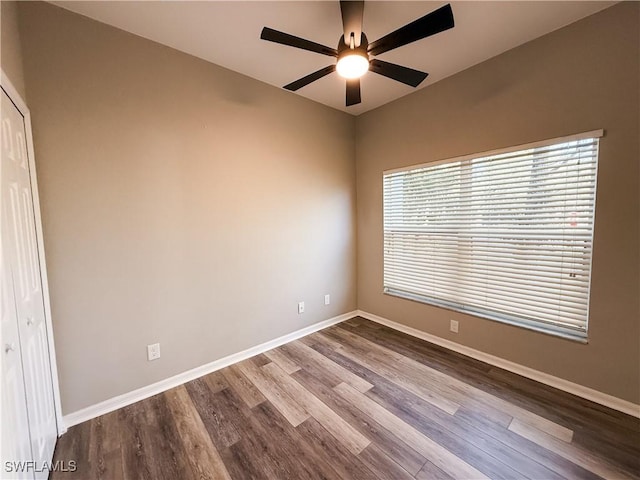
(357, 401)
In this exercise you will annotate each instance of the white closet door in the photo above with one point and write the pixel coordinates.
(22, 256)
(16, 441)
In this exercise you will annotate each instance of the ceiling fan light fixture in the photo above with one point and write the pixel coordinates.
(353, 56)
(352, 64)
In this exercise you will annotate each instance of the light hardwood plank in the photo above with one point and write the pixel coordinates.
(394, 447)
(138, 450)
(264, 456)
(203, 456)
(322, 338)
(434, 452)
(347, 465)
(578, 455)
(386, 365)
(223, 432)
(311, 458)
(382, 465)
(279, 397)
(216, 381)
(167, 450)
(431, 472)
(282, 360)
(326, 364)
(447, 385)
(352, 440)
(558, 465)
(104, 448)
(246, 390)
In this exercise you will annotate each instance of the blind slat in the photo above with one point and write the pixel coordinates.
(507, 236)
(568, 296)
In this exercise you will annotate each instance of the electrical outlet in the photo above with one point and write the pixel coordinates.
(454, 326)
(153, 351)
(300, 307)
(327, 299)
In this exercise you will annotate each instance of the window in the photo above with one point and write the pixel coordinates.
(505, 236)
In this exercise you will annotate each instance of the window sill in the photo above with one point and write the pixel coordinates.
(559, 332)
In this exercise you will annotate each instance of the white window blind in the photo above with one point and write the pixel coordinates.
(506, 236)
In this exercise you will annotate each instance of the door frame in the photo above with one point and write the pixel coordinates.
(21, 105)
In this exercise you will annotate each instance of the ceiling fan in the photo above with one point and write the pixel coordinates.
(354, 51)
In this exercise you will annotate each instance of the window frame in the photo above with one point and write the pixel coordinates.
(529, 324)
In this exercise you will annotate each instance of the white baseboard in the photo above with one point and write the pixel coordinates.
(134, 396)
(561, 384)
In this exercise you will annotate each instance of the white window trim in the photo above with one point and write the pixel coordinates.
(525, 146)
(555, 331)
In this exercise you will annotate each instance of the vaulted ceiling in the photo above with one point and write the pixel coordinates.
(227, 33)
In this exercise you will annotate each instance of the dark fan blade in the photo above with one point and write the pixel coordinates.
(353, 91)
(285, 39)
(352, 12)
(402, 74)
(312, 77)
(432, 23)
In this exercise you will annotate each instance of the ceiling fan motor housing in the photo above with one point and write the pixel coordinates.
(344, 46)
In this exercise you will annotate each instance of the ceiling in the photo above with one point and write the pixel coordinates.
(227, 33)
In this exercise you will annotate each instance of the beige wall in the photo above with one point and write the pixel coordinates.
(182, 203)
(580, 78)
(10, 49)
(188, 205)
